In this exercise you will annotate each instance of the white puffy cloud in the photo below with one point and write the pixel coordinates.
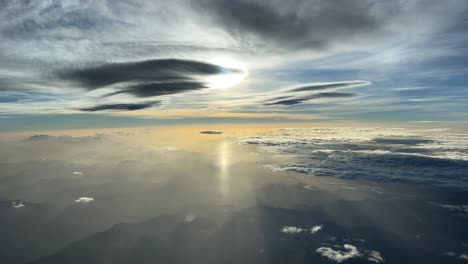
(315, 229)
(291, 230)
(77, 173)
(17, 205)
(339, 255)
(84, 200)
(374, 256)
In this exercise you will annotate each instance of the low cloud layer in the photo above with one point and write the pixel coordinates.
(380, 154)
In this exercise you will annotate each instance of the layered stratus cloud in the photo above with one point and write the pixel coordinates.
(435, 157)
(234, 56)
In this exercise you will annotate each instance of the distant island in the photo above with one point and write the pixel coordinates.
(209, 132)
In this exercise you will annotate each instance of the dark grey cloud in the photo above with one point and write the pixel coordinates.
(146, 78)
(211, 132)
(298, 100)
(302, 23)
(161, 88)
(120, 107)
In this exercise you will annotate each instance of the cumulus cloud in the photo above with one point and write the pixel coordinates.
(190, 217)
(374, 256)
(84, 200)
(339, 255)
(17, 205)
(297, 230)
(291, 230)
(315, 229)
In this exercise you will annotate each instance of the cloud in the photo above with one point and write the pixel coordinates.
(351, 153)
(84, 200)
(315, 229)
(329, 85)
(297, 230)
(120, 107)
(98, 137)
(17, 205)
(300, 94)
(146, 78)
(302, 24)
(161, 88)
(339, 255)
(461, 209)
(210, 132)
(298, 100)
(190, 217)
(291, 230)
(459, 256)
(164, 149)
(403, 141)
(77, 173)
(374, 256)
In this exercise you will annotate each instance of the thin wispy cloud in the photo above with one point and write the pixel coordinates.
(60, 57)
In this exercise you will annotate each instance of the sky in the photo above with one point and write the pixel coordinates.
(72, 64)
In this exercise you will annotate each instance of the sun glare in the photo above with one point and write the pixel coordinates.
(227, 79)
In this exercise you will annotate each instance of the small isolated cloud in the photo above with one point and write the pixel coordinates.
(463, 256)
(77, 173)
(339, 255)
(315, 229)
(291, 230)
(17, 205)
(374, 256)
(190, 217)
(84, 200)
(211, 132)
